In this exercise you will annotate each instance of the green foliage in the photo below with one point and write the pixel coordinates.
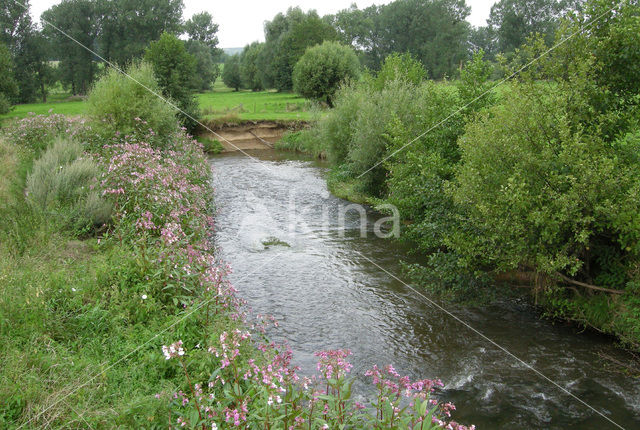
(8, 86)
(474, 86)
(77, 18)
(402, 67)
(124, 28)
(120, 105)
(231, 75)
(323, 68)
(210, 146)
(250, 72)
(512, 21)
(206, 70)
(175, 70)
(433, 31)
(287, 38)
(200, 27)
(61, 186)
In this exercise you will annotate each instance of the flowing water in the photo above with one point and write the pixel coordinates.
(329, 288)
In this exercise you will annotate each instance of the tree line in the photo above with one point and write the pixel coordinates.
(435, 32)
(33, 57)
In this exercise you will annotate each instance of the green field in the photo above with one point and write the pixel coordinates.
(249, 105)
(221, 103)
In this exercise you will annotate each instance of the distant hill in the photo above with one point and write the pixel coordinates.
(232, 51)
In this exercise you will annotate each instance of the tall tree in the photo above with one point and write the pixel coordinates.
(128, 26)
(231, 73)
(207, 70)
(8, 86)
(513, 20)
(26, 45)
(433, 31)
(203, 44)
(201, 27)
(287, 38)
(249, 69)
(14, 22)
(175, 69)
(77, 18)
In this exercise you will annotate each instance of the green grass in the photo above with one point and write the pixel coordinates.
(249, 105)
(56, 104)
(221, 103)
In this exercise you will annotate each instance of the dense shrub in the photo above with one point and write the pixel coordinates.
(402, 67)
(62, 185)
(118, 105)
(322, 69)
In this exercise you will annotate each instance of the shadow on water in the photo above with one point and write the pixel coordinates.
(305, 269)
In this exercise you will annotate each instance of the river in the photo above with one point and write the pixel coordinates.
(330, 288)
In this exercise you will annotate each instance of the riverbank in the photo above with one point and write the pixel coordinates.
(131, 320)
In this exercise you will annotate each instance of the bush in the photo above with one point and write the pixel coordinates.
(402, 67)
(552, 197)
(117, 105)
(61, 184)
(322, 69)
(176, 72)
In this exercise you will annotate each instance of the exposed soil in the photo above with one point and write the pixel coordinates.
(252, 135)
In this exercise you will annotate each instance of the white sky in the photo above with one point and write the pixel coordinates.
(241, 21)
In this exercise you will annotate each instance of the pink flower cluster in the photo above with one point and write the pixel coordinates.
(332, 364)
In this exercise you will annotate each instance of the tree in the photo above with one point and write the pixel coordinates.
(175, 69)
(483, 39)
(287, 38)
(15, 21)
(323, 68)
(433, 31)
(28, 49)
(513, 20)
(77, 18)
(249, 69)
(8, 86)
(126, 27)
(231, 73)
(207, 71)
(202, 28)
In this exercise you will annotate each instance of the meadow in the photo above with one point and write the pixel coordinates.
(220, 103)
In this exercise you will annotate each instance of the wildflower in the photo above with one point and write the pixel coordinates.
(173, 350)
(214, 426)
(73, 289)
(144, 297)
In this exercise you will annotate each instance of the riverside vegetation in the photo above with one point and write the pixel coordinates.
(115, 310)
(536, 180)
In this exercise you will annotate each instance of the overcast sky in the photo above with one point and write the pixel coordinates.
(241, 21)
